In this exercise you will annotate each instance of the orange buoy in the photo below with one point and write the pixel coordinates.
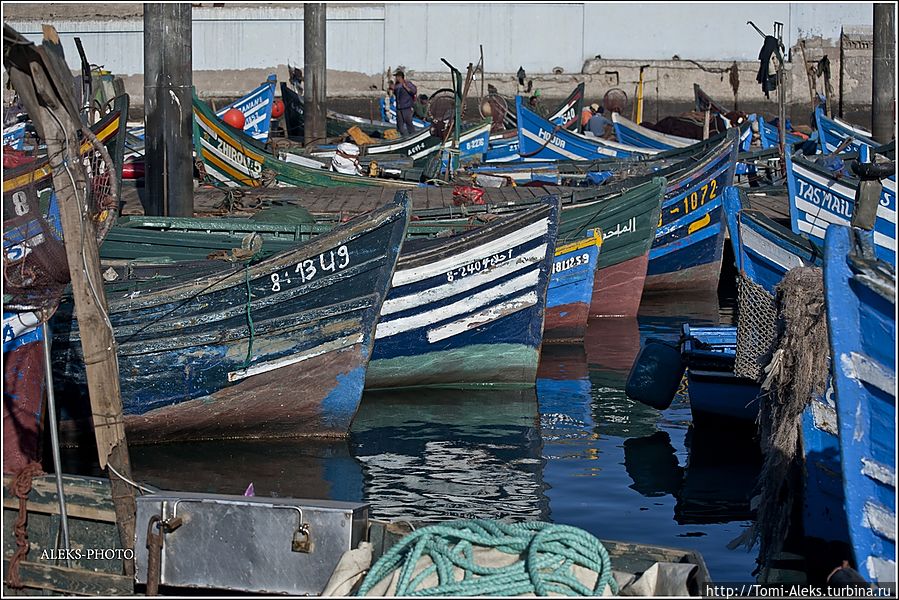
(234, 118)
(278, 109)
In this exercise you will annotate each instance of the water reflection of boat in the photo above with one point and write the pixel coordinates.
(301, 469)
(611, 346)
(563, 390)
(446, 454)
(697, 307)
(713, 487)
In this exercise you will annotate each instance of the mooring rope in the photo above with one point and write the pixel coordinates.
(21, 488)
(546, 555)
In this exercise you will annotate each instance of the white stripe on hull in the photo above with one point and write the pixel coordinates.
(781, 257)
(338, 344)
(478, 278)
(489, 315)
(534, 230)
(460, 307)
(571, 155)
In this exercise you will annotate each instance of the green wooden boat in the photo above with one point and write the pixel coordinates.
(231, 158)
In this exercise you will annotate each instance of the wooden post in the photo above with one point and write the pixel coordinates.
(705, 123)
(167, 105)
(809, 75)
(315, 23)
(44, 83)
(883, 102)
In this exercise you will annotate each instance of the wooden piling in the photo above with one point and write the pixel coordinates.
(883, 100)
(167, 108)
(315, 20)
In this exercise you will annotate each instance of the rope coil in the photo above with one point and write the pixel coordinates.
(545, 554)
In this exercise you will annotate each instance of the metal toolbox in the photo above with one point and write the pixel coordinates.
(280, 545)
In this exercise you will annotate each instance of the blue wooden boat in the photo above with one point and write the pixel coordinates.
(833, 132)
(820, 198)
(860, 295)
(14, 136)
(715, 392)
(274, 348)
(571, 289)
(23, 389)
(388, 113)
(764, 250)
(634, 134)
(468, 311)
(689, 241)
(538, 138)
(257, 110)
(770, 135)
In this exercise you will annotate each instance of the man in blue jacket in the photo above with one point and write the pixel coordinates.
(405, 92)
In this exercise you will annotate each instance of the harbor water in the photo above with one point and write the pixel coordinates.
(573, 451)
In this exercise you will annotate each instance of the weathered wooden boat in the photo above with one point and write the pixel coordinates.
(538, 138)
(571, 289)
(689, 241)
(636, 135)
(819, 198)
(257, 110)
(419, 146)
(274, 348)
(715, 392)
(860, 295)
(764, 250)
(336, 124)
(626, 217)
(466, 310)
(833, 132)
(23, 389)
(14, 136)
(231, 158)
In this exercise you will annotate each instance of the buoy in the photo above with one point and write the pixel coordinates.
(278, 109)
(234, 118)
(656, 374)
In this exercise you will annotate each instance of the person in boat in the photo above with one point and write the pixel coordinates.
(346, 159)
(405, 92)
(534, 104)
(599, 124)
(588, 113)
(421, 107)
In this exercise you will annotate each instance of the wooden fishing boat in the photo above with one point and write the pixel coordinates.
(689, 240)
(860, 295)
(257, 110)
(275, 348)
(819, 199)
(421, 145)
(636, 135)
(468, 311)
(14, 136)
(538, 138)
(230, 158)
(764, 250)
(715, 392)
(833, 132)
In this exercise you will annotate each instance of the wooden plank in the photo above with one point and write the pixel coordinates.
(71, 581)
(86, 497)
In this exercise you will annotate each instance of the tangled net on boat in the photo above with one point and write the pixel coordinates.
(756, 329)
(797, 370)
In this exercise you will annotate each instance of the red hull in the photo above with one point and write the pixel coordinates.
(23, 399)
(566, 323)
(617, 289)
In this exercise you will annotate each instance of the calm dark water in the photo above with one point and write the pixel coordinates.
(573, 451)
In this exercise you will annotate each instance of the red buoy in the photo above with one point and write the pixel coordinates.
(234, 118)
(278, 109)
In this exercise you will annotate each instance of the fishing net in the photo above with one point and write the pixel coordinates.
(756, 329)
(798, 369)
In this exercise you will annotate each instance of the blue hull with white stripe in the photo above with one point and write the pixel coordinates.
(860, 295)
(689, 242)
(833, 132)
(14, 136)
(818, 200)
(468, 311)
(633, 134)
(257, 110)
(540, 139)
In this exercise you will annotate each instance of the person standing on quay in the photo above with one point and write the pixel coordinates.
(405, 92)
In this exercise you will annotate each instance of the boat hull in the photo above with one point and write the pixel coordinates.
(571, 291)
(23, 393)
(618, 288)
(468, 311)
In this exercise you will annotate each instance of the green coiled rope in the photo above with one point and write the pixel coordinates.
(547, 553)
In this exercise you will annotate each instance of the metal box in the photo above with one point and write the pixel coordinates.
(280, 545)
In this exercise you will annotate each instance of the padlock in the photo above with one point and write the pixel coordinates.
(302, 540)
